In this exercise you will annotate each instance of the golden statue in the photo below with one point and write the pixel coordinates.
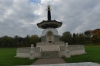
(50, 36)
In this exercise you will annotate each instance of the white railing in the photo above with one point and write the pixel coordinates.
(76, 47)
(27, 50)
(23, 50)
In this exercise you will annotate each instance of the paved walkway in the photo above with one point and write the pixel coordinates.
(49, 61)
(71, 64)
(60, 62)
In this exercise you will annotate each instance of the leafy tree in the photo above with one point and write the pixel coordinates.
(96, 36)
(0, 42)
(26, 40)
(66, 37)
(81, 38)
(74, 38)
(77, 38)
(88, 35)
(6, 41)
(34, 39)
(15, 41)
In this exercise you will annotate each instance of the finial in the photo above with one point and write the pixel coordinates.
(49, 13)
(48, 7)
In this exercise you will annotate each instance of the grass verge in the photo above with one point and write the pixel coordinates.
(7, 58)
(92, 55)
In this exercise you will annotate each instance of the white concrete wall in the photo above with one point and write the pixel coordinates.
(62, 53)
(23, 55)
(71, 50)
(37, 55)
(50, 47)
(27, 55)
(25, 52)
(77, 52)
(76, 49)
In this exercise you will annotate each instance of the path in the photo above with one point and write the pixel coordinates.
(71, 64)
(49, 61)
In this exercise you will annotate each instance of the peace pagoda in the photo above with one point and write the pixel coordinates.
(50, 33)
(49, 38)
(50, 46)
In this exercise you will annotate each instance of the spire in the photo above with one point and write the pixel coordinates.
(49, 13)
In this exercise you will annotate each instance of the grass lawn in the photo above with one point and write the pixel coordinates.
(92, 55)
(7, 58)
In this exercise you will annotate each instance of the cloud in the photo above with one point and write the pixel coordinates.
(19, 17)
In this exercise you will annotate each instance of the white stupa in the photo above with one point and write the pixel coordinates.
(50, 33)
(49, 38)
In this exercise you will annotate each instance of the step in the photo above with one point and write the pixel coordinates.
(50, 54)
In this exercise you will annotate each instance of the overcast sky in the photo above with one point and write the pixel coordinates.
(19, 17)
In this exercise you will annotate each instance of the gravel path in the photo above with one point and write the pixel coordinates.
(49, 61)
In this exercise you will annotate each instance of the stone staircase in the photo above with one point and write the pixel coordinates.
(50, 54)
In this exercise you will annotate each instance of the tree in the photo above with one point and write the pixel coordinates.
(15, 41)
(26, 40)
(5, 41)
(96, 36)
(66, 37)
(81, 38)
(33, 40)
(0, 41)
(75, 38)
(88, 35)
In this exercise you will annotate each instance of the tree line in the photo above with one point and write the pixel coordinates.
(88, 37)
(18, 41)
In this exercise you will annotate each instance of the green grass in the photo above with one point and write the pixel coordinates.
(92, 55)
(7, 58)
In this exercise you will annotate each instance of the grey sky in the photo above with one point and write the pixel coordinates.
(19, 17)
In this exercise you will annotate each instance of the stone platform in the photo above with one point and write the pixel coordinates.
(45, 46)
(47, 50)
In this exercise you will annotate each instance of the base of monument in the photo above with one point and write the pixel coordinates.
(49, 50)
(50, 46)
(50, 41)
